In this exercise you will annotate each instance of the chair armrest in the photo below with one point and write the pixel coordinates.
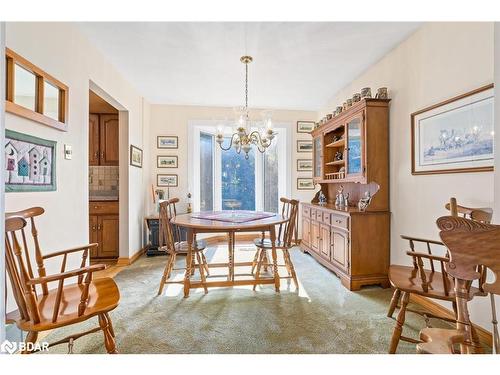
(67, 274)
(68, 251)
(427, 256)
(421, 240)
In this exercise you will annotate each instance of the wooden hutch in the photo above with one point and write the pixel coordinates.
(353, 244)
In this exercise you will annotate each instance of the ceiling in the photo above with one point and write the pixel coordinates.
(296, 65)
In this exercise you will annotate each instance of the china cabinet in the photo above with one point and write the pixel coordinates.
(351, 154)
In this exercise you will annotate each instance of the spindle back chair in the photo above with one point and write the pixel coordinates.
(65, 305)
(473, 246)
(284, 239)
(171, 242)
(427, 277)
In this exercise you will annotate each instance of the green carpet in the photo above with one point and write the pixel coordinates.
(323, 317)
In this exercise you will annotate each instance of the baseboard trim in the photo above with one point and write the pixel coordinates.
(127, 261)
(484, 335)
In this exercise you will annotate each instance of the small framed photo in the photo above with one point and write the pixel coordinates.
(304, 146)
(304, 165)
(135, 156)
(305, 184)
(305, 126)
(167, 180)
(167, 141)
(166, 161)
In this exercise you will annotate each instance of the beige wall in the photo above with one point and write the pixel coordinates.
(173, 120)
(64, 53)
(439, 61)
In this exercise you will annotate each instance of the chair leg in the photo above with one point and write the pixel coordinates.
(259, 265)
(400, 321)
(166, 272)
(205, 263)
(265, 259)
(111, 329)
(255, 259)
(109, 340)
(201, 267)
(30, 338)
(394, 302)
(286, 254)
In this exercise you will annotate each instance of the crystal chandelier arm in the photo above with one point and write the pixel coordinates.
(257, 140)
(230, 143)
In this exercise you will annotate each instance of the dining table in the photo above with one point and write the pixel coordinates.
(230, 222)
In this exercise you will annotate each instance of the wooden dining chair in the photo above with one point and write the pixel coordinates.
(473, 246)
(42, 308)
(426, 277)
(284, 241)
(170, 241)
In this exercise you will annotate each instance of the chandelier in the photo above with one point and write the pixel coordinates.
(243, 138)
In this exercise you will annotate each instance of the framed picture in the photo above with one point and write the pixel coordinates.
(305, 183)
(304, 165)
(135, 156)
(30, 163)
(167, 141)
(166, 161)
(167, 180)
(304, 146)
(454, 136)
(305, 126)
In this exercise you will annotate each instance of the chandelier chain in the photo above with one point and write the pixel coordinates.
(246, 86)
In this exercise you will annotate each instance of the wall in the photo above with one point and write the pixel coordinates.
(437, 62)
(63, 52)
(2, 178)
(173, 120)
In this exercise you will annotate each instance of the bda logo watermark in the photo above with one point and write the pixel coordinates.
(11, 346)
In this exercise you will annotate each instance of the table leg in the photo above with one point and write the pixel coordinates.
(189, 258)
(230, 254)
(272, 233)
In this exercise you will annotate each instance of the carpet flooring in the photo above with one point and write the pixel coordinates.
(323, 317)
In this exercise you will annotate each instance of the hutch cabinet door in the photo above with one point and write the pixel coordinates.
(354, 146)
(318, 158)
(314, 240)
(340, 254)
(93, 139)
(324, 248)
(109, 140)
(306, 231)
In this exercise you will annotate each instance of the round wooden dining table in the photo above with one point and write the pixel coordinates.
(229, 222)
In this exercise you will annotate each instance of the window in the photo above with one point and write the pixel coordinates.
(225, 180)
(34, 94)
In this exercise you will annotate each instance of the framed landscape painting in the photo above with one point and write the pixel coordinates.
(304, 165)
(166, 161)
(454, 136)
(304, 146)
(305, 126)
(135, 156)
(30, 163)
(305, 184)
(167, 180)
(167, 141)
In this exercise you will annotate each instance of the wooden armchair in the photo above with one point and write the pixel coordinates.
(41, 308)
(473, 246)
(427, 277)
(284, 238)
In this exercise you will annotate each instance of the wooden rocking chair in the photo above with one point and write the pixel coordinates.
(41, 308)
(473, 246)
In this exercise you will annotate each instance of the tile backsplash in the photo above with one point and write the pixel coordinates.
(103, 178)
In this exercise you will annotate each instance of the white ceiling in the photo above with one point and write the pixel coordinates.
(296, 65)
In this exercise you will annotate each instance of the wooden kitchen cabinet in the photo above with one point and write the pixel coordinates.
(103, 139)
(104, 229)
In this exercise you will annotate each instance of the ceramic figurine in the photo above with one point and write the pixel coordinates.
(338, 155)
(322, 198)
(341, 199)
(365, 201)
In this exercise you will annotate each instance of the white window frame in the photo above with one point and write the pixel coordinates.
(196, 127)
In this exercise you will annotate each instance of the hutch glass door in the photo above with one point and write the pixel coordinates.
(317, 157)
(354, 146)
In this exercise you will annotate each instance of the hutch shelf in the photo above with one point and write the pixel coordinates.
(351, 152)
